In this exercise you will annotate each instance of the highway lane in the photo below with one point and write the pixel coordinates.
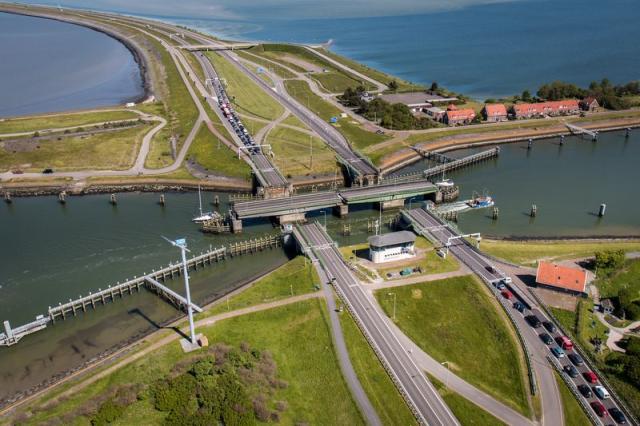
(331, 136)
(411, 381)
(539, 352)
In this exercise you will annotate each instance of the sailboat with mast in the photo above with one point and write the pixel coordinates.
(203, 216)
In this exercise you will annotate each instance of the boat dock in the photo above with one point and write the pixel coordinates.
(152, 282)
(576, 130)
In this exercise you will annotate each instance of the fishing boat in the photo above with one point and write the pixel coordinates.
(203, 216)
(480, 201)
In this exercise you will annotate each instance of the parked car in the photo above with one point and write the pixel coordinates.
(533, 321)
(548, 340)
(585, 390)
(551, 328)
(618, 416)
(557, 351)
(590, 377)
(571, 371)
(576, 359)
(519, 306)
(599, 408)
(506, 294)
(47, 171)
(601, 392)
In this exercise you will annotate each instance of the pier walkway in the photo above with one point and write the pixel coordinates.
(151, 282)
(447, 164)
(576, 130)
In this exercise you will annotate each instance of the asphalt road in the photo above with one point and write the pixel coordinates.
(411, 381)
(539, 352)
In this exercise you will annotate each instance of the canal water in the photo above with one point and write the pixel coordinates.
(566, 182)
(52, 252)
(54, 66)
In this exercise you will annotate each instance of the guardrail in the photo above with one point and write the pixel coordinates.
(588, 361)
(572, 387)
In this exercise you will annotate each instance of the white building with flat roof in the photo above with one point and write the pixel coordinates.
(393, 246)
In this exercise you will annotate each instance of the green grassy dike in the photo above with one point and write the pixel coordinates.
(456, 320)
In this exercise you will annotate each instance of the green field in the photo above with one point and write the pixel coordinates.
(113, 150)
(403, 86)
(294, 278)
(573, 413)
(529, 252)
(215, 156)
(357, 136)
(315, 390)
(57, 121)
(292, 120)
(465, 411)
(293, 153)
(377, 384)
(627, 277)
(458, 321)
(278, 70)
(179, 110)
(246, 96)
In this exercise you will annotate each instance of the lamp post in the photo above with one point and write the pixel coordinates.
(394, 304)
(410, 200)
(181, 243)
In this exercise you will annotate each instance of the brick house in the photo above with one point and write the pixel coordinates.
(455, 116)
(589, 104)
(494, 112)
(542, 109)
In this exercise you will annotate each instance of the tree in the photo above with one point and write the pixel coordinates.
(434, 86)
(393, 85)
(526, 96)
(609, 259)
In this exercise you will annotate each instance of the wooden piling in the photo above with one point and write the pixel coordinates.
(62, 197)
(161, 202)
(496, 211)
(534, 210)
(7, 198)
(113, 200)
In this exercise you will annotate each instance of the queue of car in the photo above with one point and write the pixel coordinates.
(562, 348)
(234, 120)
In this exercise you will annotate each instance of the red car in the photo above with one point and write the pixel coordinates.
(506, 294)
(590, 377)
(599, 408)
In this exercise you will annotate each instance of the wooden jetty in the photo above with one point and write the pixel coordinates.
(152, 282)
(462, 162)
(433, 155)
(576, 130)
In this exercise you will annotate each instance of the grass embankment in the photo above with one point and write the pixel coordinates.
(627, 277)
(403, 86)
(294, 278)
(179, 110)
(59, 121)
(529, 252)
(245, 95)
(278, 70)
(456, 320)
(292, 151)
(292, 120)
(332, 79)
(116, 150)
(465, 411)
(573, 413)
(216, 157)
(316, 392)
(383, 394)
(355, 134)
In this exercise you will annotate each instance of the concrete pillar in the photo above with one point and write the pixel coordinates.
(393, 204)
(292, 217)
(236, 226)
(7, 330)
(341, 210)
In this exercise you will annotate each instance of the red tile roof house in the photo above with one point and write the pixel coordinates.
(562, 278)
(494, 112)
(589, 104)
(454, 117)
(541, 109)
